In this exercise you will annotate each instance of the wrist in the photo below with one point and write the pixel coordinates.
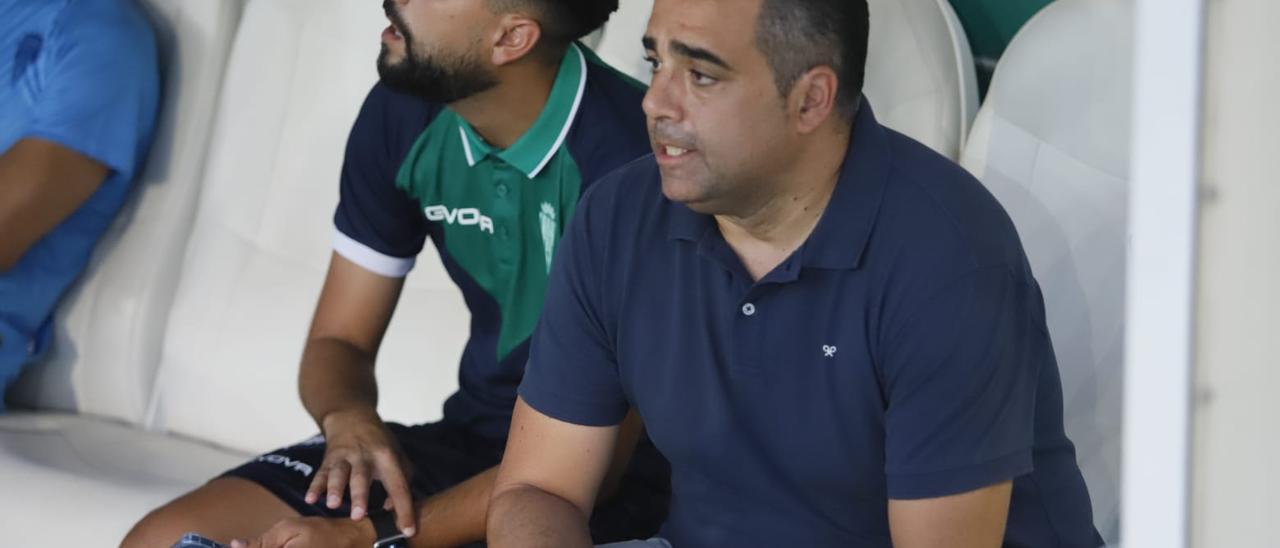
(339, 418)
(365, 535)
(386, 533)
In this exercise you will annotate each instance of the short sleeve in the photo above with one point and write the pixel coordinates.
(379, 226)
(102, 86)
(572, 374)
(959, 375)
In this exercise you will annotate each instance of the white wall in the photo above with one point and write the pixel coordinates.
(1236, 445)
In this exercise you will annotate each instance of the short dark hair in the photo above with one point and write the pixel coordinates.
(562, 21)
(798, 35)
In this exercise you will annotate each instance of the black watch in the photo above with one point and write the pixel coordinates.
(385, 530)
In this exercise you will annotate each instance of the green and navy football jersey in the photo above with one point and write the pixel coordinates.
(416, 170)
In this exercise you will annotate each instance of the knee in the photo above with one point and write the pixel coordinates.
(158, 529)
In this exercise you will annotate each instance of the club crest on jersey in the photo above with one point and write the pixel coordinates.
(548, 220)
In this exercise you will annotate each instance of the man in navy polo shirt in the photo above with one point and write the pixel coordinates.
(489, 122)
(830, 331)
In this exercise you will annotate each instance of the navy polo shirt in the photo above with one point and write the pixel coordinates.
(900, 353)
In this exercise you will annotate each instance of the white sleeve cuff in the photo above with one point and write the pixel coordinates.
(370, 259)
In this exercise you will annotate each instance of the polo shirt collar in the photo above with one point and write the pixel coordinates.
(840, 238)
(539, 144)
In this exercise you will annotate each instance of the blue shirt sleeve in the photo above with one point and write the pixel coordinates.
(572, 374)
(380, 226)
(101, 88)
(960, 373)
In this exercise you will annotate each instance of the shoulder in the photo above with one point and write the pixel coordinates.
(944, 214)
(609, 129)
(389, 107)
(390, 122)
(624, 204)
(116, 30)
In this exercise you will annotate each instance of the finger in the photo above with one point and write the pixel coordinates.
(359, 486)
(387, 504)
(318, 484)
(337, 483)
(398, 491)
(281, 535)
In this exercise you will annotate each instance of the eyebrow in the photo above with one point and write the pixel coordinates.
(686, 50)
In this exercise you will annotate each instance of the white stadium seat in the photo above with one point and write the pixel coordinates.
(202, 300)
(1052, 143)
(109, 328)
(298, 74)
(920, 74)
(81, 470)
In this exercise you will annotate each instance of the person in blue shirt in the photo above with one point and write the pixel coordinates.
(79, 90)
(831, 332)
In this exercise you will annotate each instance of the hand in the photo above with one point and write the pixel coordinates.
(314, 533)
(359, 448)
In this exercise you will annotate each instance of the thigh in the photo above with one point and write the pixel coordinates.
(251, 498)
(242, 503)
(440, 456)
(223, 509)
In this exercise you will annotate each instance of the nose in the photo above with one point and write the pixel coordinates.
(662, 101)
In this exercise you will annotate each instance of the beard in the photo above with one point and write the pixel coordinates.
(437, 78)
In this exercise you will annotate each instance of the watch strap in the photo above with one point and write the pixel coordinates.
(385, 530)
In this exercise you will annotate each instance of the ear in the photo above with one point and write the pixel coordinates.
(813, 98)
(516, 36)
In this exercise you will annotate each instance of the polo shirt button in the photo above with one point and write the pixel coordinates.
(502, 190)
(748, 309)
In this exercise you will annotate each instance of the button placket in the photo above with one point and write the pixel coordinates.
(507, 214)
(749, 333)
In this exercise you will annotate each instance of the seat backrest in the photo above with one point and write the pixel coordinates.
(1052, 143)
(110, 326)
(298, 74)
(920, 74)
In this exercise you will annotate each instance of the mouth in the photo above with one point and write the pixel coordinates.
(668, 154)
(392, 33)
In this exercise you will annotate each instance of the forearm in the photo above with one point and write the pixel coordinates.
(528, 517)
(455, 516)
(41, 184)
(336, 376)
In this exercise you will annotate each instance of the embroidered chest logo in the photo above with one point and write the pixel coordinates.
(467, 216)
(28, 50)
(548, 221)
(829, 351)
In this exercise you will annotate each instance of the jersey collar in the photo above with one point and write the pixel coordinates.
(539, 144)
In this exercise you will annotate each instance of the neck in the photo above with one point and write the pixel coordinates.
(502, 114)
(767, 234)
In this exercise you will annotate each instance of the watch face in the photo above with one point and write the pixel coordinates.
(398, 541)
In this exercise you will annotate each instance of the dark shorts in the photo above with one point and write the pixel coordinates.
(444, 455)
